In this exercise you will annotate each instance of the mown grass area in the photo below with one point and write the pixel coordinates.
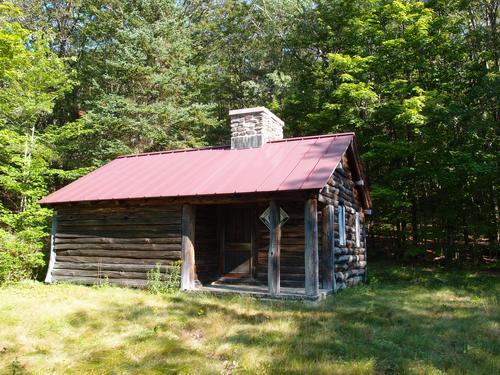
(407, 320)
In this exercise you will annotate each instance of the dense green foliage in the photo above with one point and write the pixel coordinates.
(84, 81)
(32, 77)
(419, 84)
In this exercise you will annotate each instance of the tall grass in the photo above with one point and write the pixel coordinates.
(406, 321)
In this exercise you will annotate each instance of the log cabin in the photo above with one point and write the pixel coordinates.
(266, 215)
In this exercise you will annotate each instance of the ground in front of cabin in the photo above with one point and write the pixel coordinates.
(408, 320)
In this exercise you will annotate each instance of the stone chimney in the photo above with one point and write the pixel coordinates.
(253, 127)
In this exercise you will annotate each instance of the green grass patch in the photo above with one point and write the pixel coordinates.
(406, 321)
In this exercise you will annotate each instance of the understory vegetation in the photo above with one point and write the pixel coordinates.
(406, 320)
(165, 280)
(418, 81)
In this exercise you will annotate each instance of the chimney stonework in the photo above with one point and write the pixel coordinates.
(253, 127)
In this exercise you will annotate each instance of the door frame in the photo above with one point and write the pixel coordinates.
(221, 240)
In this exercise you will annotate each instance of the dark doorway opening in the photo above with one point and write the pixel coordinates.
(226, 243)
(237, 243)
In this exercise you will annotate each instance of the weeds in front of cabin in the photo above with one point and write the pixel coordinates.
(102, 281)
(167, 282)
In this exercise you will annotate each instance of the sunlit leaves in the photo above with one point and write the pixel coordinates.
(32, 78)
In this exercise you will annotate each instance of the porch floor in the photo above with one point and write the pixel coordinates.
(261, 291)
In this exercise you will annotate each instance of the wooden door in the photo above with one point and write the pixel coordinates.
(237, 252)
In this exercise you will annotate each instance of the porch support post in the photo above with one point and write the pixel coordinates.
(311, 243)
(187, 247)
(328, 247)
(52, 259)
(273, 267)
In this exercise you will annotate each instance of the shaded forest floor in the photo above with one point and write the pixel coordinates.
(407, 320)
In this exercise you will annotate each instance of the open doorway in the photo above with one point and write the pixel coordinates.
(226, 243)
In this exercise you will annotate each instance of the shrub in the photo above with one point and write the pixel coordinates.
(167, 282)
(19, 258)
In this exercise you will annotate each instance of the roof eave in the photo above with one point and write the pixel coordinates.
(259, 196)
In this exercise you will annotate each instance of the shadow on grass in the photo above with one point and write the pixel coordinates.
(150, 346)
(406, 321)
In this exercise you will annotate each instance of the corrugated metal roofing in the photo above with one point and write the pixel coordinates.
(285, 165)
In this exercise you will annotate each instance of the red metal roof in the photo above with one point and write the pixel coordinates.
(285, 165)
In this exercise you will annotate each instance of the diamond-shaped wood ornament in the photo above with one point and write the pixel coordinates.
(266, 217)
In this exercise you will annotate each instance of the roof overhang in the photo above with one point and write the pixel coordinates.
(276, 169)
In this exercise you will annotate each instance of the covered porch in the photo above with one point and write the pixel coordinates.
(227, 248)
(261, 291)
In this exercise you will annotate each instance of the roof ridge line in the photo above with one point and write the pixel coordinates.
(227, 146)
(312, 137)
(173, 151)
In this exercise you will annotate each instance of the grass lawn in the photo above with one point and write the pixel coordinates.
(408, 320)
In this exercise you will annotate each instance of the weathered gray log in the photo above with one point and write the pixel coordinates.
(334, 199)
(348, 251)
(350, 258)
(129, 236)
(342, 276)
(349, 243)
(112, 247)
(139, 254)
(115, 240)
(311, 247)
(136, 283)
(138, 207)
(188, 240)
(346, 266)
(130, 215)
(111, 259)
(273, 278)
(102, 274)
(124, 227)
(151, 220)
(52, 259)
(328, 248)
(110, 266)
(123, 233)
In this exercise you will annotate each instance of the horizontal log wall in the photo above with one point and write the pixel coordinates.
(292, 245)
(350, 260)
(118, 243)
(121, 242)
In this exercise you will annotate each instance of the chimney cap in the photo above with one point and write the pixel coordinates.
(245, 111)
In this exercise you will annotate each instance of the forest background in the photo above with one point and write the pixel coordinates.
(83, 81)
